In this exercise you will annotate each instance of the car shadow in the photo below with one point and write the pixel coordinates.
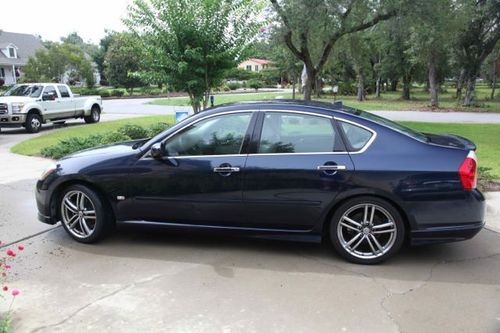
(226, 252)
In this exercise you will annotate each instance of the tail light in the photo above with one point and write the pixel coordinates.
(468, 172)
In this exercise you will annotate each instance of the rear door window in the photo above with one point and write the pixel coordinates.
(297, 133)
(63, 91)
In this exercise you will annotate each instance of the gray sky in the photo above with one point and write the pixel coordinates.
(55, 18)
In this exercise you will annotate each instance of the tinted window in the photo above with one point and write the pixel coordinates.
(25, 90)
(220, 135)
(49, 90)
(63, 91)
(297, 133)
(356, 136)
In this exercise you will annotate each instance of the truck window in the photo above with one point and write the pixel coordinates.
(63, 91)
(50, 90)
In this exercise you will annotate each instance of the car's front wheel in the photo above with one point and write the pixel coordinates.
(83, 214)
(367, 230)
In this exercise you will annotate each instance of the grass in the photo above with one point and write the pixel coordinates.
(485, 136)
(388, 101)
(33, 146)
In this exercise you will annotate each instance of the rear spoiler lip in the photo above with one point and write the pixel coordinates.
(466, 143)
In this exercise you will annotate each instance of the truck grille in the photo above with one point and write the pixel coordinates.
(3, 108)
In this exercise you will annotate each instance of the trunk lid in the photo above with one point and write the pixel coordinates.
(450, 140)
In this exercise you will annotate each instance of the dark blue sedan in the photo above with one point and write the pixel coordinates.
(279, 169)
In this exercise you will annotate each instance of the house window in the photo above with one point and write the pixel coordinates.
(256, 68)
(12, 52)
(2, 72)
(249, 67)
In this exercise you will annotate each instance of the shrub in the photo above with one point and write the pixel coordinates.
(113, 137)
(347, 89)
(255, 84)
(71, 145)
(2, 82)
(233, 85)
(134, 132)
(117, 92)
(105, 93)
(157, 128)
(484, 178)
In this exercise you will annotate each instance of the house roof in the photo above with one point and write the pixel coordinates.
(26, 45)
(260, 61)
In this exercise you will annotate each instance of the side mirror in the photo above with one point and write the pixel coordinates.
(157, 150)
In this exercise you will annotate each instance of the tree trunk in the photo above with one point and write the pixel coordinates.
(470, 92)
(394, 85)
(433, 85)
(317, 87)
(377, 87)
(494, 80)
(460, 84)
(406, 87)
(361, 87)
(308, 84)
(293, 89)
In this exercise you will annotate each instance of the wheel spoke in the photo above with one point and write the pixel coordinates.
(365, 218)
(385, 225)
(85, 228)
(380, 248)
(70, 206)
(349, 226)
(358, 243)
(372, 215)
(353, 240)
(89, 214)
(386, 231)
(72, 221)
(351, 221)
(81, 200)
(371, 245)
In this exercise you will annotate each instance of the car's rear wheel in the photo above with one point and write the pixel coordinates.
(33, 123)
(84, 215)
(367, 230)
(95, 115)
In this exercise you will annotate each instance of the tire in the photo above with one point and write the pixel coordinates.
(81, 222)
(33, 123)
(361, 239)
(95, 115)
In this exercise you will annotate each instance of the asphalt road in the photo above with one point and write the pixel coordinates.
(151, 280)
(141, 107)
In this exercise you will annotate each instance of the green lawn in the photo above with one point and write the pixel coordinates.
(34, 146)
(389, 101)
(486, 136)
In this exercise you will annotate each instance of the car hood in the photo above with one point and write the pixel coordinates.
(114, 149)
(450, 140)
(16, 99)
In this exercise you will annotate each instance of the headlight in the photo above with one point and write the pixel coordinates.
(48, 171)
(17, 107)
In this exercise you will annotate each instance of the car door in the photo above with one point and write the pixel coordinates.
(51, 103)
(199, 179)
(296, 167)
(67, 103)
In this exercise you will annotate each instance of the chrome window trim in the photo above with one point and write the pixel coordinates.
(368, 144)
(365, 147)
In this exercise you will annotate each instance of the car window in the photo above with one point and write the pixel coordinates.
(219, 135)
(25, 90)
(63, 91)
(297, 133)
(356, 136)
(50, 89)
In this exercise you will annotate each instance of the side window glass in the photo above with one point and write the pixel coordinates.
(297, 133)
(357, 137)
(63, 91)
(50, 91)
(219, 135)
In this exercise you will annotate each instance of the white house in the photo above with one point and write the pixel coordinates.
(15, 49)
(255, 64)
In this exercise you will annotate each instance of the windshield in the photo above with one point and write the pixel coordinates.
(392, 125)
(25, 90)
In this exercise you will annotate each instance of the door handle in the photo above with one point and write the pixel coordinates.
(226, 169)
(331, 167)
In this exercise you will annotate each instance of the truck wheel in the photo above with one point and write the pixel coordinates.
(33, 123)
(95, 115)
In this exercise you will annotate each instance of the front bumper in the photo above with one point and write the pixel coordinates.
(12, 120)
(46, 209)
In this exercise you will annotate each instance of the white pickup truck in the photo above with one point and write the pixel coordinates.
(33, 104)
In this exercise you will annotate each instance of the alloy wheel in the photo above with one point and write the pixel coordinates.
(367, 231)
(78, 214)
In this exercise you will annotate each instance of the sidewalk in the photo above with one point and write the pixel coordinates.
(493, 211)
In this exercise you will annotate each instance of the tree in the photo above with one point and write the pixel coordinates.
(123, 59)
(192, 43)
(59, 61)
(312, 28)
(476, 40)
(100, 54)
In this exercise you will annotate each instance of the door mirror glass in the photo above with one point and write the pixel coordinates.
(157, 150)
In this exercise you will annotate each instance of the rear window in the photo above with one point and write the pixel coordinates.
(392, 125)
(63, 91)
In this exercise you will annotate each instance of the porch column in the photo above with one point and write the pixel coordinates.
(14, 73)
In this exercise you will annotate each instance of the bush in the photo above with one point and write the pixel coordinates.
(484, 178)
(157, 128)
(113, 137)
(117, 92)
(233, 85)
(347, 89)
(134, 132)
(2, 82)
(255, 84)
(105, 93)
(71, 145)
(88, 91)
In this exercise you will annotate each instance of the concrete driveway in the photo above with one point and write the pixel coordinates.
(151, 280)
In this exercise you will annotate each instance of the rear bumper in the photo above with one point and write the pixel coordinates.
(445, 234)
